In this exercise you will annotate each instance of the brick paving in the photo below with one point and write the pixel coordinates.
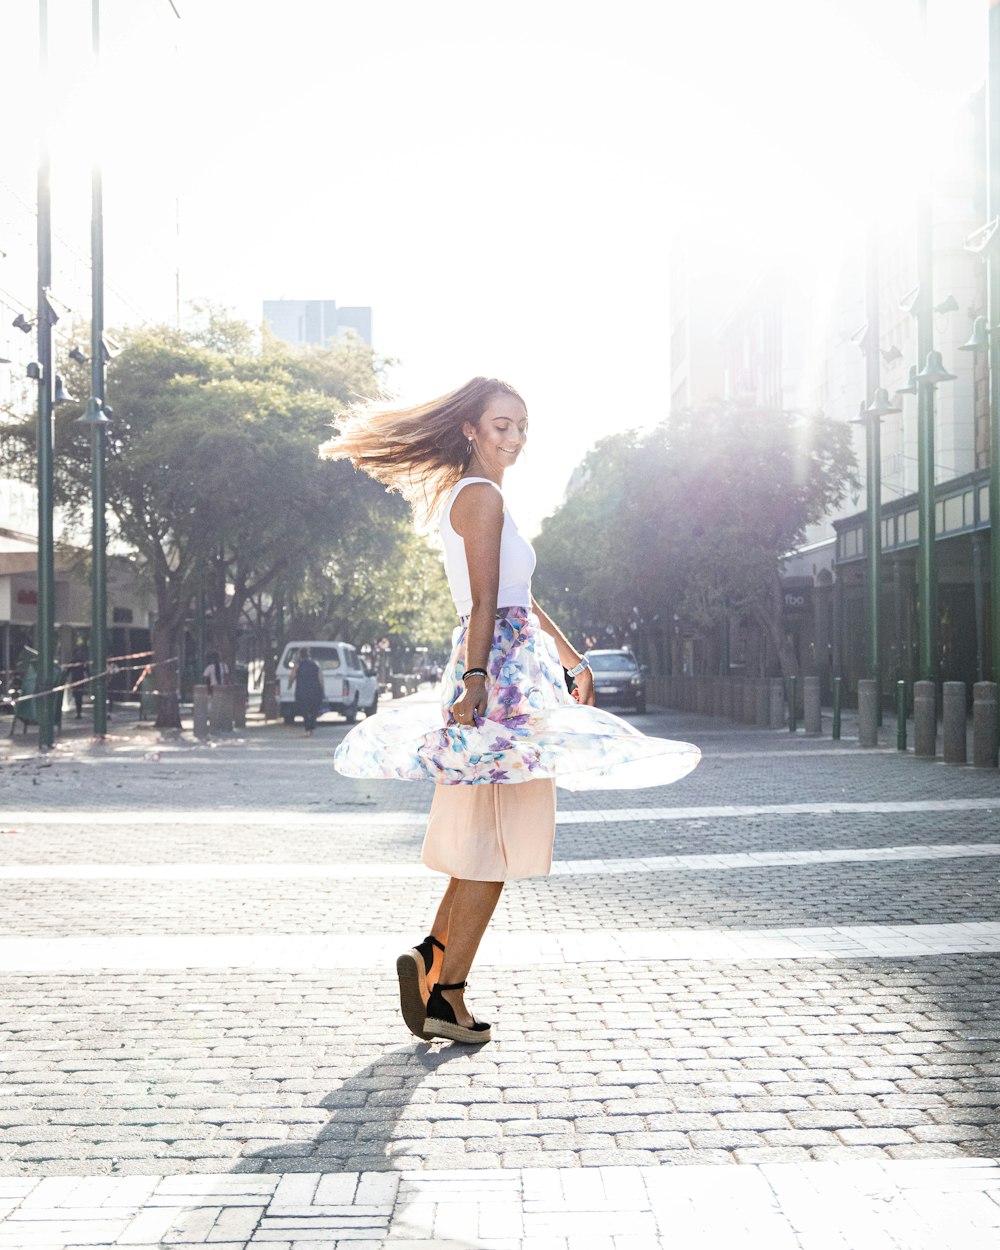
(665, 1071)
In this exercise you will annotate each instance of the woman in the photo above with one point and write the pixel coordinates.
(307, 682)
(511, 728)
(216, 671)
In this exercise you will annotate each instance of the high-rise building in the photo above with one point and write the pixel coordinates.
(315, 321)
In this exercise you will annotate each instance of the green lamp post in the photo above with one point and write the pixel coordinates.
(96, 417)
(42, 372)
(993, 317)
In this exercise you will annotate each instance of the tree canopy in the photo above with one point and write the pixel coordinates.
(214, 480)
(691, 519)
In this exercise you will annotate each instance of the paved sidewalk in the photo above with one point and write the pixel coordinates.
(760, 1007)
(874, 1206)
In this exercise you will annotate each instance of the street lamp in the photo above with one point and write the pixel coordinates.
(45, 617)
(993, 315)
(934, 371)
(96, 416)
(870, 414)
(979, 339)
(870, 417)
(912, 385)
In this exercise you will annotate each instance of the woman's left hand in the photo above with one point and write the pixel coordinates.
(585, 687)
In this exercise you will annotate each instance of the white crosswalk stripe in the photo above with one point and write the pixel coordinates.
(499, 949)
(561, 868)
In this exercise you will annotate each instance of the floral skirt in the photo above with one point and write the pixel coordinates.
(533, 728)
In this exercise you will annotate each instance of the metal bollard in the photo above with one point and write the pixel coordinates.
(836, 709)
(984, 724)
(762, 710)
(811, 713)
(924, 719)
(900, 715)
(777, 703)
(867, 713)
(953, 722)
(792, 705)
(749, 704)
(200, 711)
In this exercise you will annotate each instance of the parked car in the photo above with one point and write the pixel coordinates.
(348, 686)
(619, 680)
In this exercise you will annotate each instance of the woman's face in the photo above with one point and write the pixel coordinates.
(498, 437)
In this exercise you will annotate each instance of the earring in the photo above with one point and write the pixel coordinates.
(469, 448)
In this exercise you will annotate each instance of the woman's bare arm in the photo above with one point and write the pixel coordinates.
(477, 515)
(569, 657)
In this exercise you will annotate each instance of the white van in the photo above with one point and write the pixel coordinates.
(348, 687)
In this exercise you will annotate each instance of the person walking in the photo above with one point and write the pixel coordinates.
(78, 670)
(508, 729)
(216, 671)
(307, 682)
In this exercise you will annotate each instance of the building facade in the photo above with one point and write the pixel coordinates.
(798, 340)
(316, 322)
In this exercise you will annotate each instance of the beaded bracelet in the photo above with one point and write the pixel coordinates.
(474, 672)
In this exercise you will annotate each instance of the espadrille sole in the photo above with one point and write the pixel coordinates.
(456, 1032)
(412, 991)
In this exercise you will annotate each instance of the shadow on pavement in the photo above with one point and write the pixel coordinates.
(363, 1134)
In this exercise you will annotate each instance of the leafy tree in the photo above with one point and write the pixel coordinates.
(383, 580)
(695, 519)
(212, 474)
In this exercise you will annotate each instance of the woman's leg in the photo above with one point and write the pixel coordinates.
(472, 907)
(440, 929)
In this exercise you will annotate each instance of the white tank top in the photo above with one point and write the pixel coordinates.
(517, 558)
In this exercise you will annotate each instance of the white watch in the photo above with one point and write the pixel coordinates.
(575, 672)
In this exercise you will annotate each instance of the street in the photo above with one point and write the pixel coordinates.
(759, 1007)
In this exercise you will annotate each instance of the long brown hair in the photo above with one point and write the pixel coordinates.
(420, 452)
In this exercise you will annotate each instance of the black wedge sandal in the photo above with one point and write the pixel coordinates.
(441, 1020)
(412, 968)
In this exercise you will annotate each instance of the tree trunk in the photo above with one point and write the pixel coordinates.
(771, 617)
(168, 714)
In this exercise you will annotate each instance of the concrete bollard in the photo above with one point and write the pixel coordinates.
(924, 719)
(810, 707)
(200, 711)
(868, 713)
(749, 702)
(762, 705)
(776, 703)
(220, 709)
(953, 722)
(984, 724)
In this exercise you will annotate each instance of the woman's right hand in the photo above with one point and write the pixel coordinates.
(472, 702)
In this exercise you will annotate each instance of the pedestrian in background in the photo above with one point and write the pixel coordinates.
(216, 672)
(78, 670)
(307, 682)
(510, 729)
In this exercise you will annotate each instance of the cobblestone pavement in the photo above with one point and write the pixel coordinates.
(759, 1007)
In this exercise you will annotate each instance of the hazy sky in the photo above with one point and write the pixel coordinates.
(500, 183)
